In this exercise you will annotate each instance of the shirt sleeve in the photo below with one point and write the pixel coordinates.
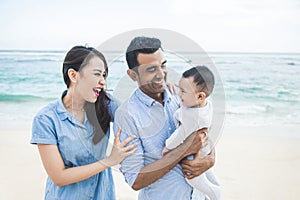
(131, 165)
(43, 131)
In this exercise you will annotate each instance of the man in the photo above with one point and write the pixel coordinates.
(148, 115)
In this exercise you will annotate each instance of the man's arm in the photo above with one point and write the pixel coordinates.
(159, 168)
(201, 163)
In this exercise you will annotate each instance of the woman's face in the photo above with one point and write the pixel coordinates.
(91, 80)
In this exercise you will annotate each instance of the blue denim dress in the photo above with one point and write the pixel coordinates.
(55, 125)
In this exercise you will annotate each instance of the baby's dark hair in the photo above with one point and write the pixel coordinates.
(203, 78)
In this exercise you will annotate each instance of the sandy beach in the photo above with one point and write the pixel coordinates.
(252, 163)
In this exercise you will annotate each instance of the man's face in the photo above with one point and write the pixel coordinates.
(152, 72)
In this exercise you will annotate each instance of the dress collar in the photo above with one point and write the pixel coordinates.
(64, 113)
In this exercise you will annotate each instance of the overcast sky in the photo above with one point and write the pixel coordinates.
(216, 25)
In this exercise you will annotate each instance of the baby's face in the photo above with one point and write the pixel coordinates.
(188, 92)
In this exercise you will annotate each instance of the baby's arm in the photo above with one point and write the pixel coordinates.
(174, 140)
(165, 151)
(179, 135)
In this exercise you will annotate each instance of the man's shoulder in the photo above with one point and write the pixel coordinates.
(128, 107)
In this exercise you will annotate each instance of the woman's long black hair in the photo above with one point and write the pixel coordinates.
(97, 113)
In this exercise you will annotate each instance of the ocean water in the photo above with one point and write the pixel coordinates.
(260, 88)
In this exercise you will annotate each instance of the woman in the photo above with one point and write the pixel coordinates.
(72, 133)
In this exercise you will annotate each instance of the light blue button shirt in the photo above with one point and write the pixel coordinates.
(55, 125)
(152, 123)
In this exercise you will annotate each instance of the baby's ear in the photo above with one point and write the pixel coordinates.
(132, 74)
(201, 96)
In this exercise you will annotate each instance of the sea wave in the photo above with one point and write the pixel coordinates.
(22, 60)
(22, 98)
(30, 56)
(251, 109)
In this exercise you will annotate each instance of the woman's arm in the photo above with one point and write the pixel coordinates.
(61, 176)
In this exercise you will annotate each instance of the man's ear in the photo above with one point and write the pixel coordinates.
(132, 74)
(72, 75)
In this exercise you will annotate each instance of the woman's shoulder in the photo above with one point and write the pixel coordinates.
(48, 110)
(113, 100)
(113, 105)
(110, 96)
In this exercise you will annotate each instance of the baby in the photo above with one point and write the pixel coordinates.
(195, 85)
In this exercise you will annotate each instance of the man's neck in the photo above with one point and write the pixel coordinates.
(159, 97)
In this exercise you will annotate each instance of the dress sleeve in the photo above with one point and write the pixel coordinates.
(43, 130)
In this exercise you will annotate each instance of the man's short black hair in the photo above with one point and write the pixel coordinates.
(138, 45)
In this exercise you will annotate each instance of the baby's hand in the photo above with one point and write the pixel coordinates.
(165, 151)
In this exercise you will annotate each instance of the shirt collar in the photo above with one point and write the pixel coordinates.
(61, 110)
(150, 101)
(167, 95)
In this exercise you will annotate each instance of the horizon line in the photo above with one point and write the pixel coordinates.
(237, 52)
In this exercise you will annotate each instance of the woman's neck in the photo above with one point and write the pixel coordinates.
(72, 103)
